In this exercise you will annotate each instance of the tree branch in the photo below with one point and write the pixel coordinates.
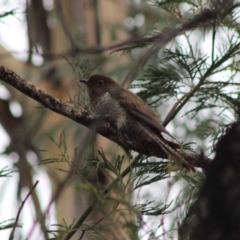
(102, 126)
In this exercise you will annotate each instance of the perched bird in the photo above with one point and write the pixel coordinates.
(130, 114)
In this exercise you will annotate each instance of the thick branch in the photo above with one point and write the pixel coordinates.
(104, 126)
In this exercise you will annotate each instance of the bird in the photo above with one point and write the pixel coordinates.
(130, 114)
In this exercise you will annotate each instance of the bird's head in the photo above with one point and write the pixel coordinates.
(98, 85)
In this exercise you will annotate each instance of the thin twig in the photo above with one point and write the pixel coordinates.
(20, 209)
(166, 36)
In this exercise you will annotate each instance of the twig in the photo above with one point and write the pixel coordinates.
(166, 36)
(20, 209)
(187, 96)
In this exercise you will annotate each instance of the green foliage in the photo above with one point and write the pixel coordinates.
(7, 224)
(148, 172)
(82, 70)
(6, 172)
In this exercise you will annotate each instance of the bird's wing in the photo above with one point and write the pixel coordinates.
(138, 108)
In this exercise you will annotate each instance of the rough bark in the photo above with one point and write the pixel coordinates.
(104, 126)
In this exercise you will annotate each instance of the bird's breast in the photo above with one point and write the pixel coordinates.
(108, 106)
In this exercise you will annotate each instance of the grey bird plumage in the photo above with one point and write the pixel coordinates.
(130, 113)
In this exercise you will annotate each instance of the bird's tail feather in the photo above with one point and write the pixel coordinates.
(171, 150)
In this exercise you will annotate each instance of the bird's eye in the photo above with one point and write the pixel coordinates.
(100, 83)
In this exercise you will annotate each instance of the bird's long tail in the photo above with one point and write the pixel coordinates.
(169, 150)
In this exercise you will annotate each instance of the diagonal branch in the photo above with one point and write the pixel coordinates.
(161, 38)
(20, 209)
(105, 128)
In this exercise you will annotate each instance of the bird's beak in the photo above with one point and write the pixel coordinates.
(84, 81)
